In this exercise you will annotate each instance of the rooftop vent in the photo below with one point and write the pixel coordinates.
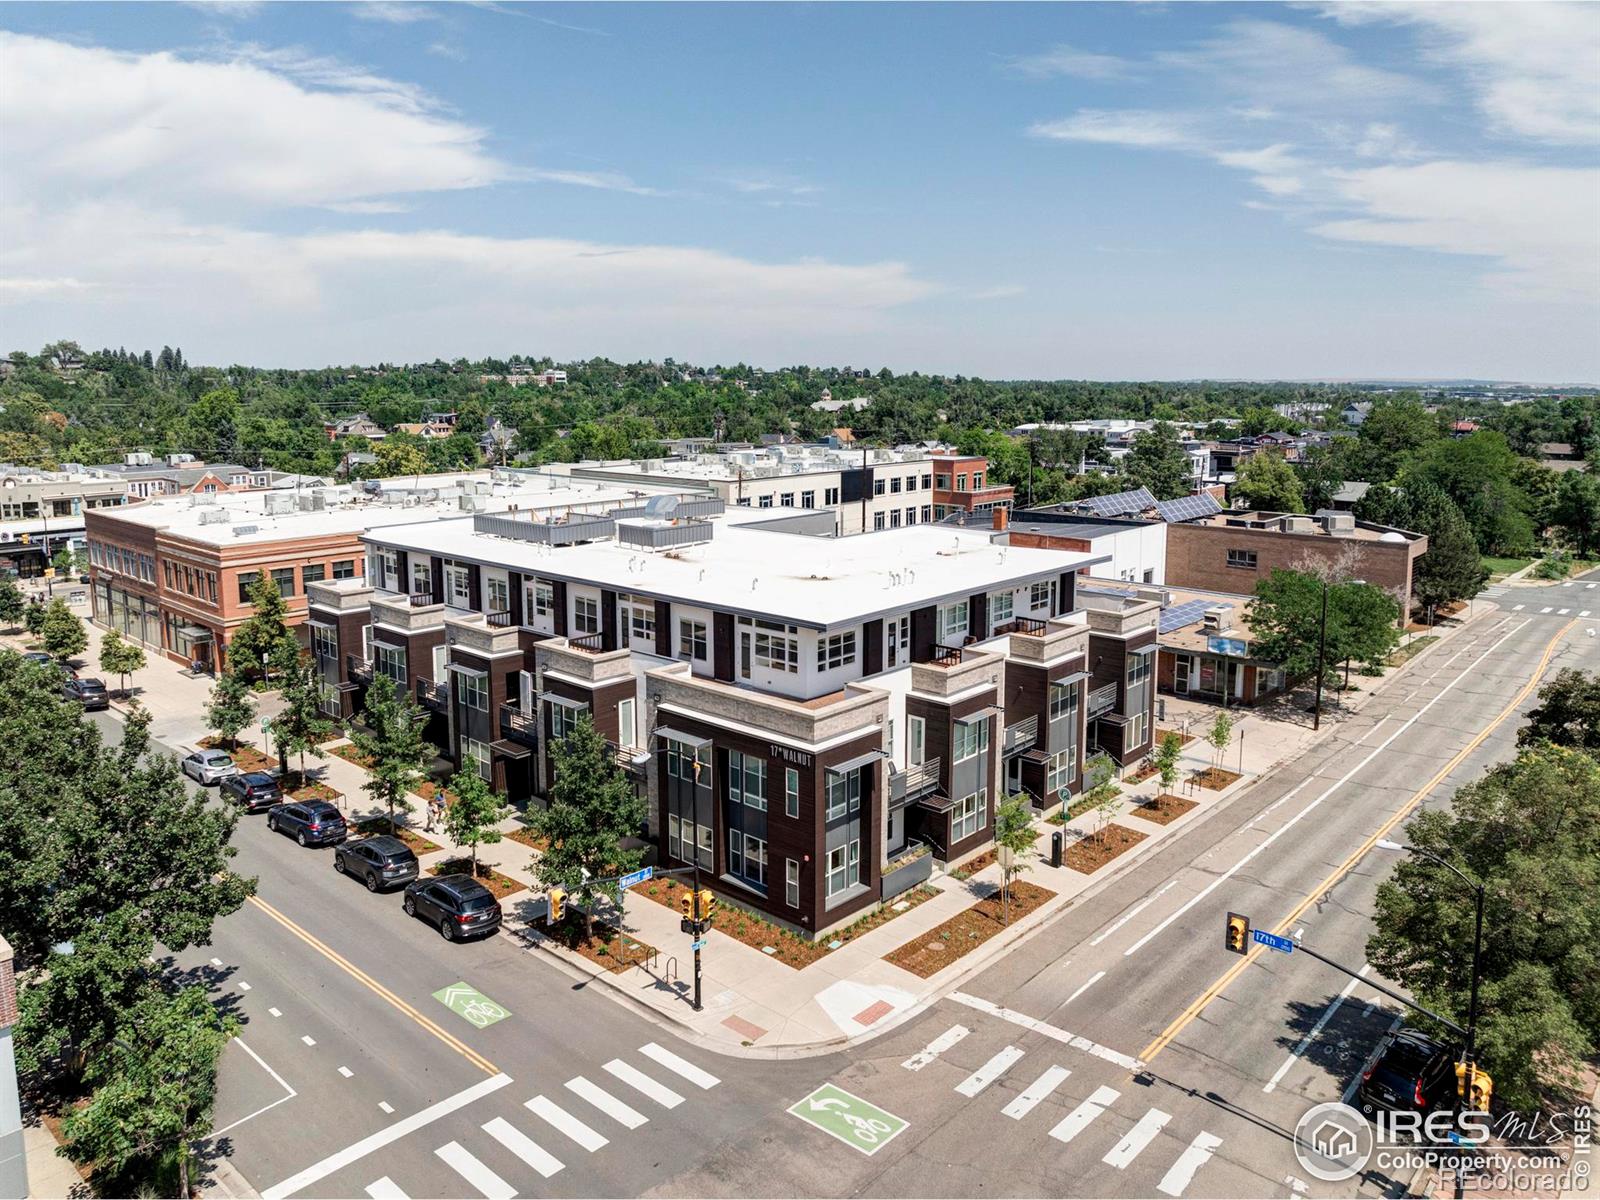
(241, 530)
(215, 516)
(1216, 618)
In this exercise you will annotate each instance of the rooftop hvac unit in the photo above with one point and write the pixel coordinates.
(275, 503)
(1338, 523)
(470, 503)
(215, 516)
(1216, 618)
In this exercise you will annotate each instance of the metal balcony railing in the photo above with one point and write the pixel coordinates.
(498, 620)
(422, 599)
(916, 780)
(518, 726)
(589, 643)
(358, 669)
(1101, 701)
(1029, 625)
(434, 696)
(1020, 736)
(946, 656)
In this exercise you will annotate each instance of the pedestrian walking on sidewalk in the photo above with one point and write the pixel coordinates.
(433, 814)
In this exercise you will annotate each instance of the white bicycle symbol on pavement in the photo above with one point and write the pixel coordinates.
(867, 1129)
(483, 1013)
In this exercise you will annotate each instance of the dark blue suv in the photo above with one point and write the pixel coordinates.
(309, 822)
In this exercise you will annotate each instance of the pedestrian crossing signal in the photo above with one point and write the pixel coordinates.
(1236, 936)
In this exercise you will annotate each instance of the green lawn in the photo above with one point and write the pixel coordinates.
(1499, 568)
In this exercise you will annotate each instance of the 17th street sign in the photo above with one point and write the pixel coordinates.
(1272, 941)
(849, 1118)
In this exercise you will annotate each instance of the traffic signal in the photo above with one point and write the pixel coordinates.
(558, 904)
(1475, 1086)
(686, 904)
(708, 906)
(1236, 937)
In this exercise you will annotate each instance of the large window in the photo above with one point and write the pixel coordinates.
(844, 867)
(1063, 700)
(971, 815)
(1139, 669)
(774, 646)
(837, 650)
(791, 792)
(344, 568)
(312, 573)
(421, 577)
(687, 762)
(791, 883)
(1060, 773)
(391, 661)
(543, 603)
(586, 614)
(499, 594)
(844, 793)
(1001, 607)
(830, 496)
(563, 720)
(475, 752)
(247, 580)
(747, 857)
(1134, 731)
(639, 617)
(473, 690)
(692, 640)
(1244, 559)
(747, 780)
(952, 624)
(1039, 596)
(457, 586)
(284, 578)
(969, 738)
(324, 642)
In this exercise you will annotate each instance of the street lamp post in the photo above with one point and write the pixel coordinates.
(1469, 1054)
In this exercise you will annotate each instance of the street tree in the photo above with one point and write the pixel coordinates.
(63, 561)
(1576, 511)
(264, 642)
(399, 455)
(1166, 759)
(1287, 627)
(1157, 461)
(1568, 713)
(231, 709)
(473, 816)
(120, 658)
(33, 619)
(1323, 470)
(300, 724)
(154, 1088)
(12, 606)
(1219, 735)
(592, 810)
(1266, 481)
(1014, 836)
(392, 741)
(1529, 831)
(62, 631)
(1452, 568)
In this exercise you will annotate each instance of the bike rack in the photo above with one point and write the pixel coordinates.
(671, 973)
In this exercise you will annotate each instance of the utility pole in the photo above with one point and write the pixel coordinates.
(1322, 649)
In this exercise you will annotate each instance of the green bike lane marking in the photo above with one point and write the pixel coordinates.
(849, 1118)
(470, 1004)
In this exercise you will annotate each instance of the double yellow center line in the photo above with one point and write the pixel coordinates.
(1216, 989)
(376, 988)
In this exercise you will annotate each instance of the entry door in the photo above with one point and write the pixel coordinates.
(441, 655)
(1180, 674)
(525, 691)
(916, 740)
(898, 633)
(744, 654)
(1014, 775)
(625, 729)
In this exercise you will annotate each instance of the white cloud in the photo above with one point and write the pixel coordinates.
(1532, 64)
(1537, 223)
(1126, 127)
(448, 50)
(757, 183)
(1001, 291)
(393, 12)
(238, 9)
(1066, 60)
(609, 181)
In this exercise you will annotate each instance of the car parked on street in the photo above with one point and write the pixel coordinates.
(208, 766)
(379, 862)
(309, 822)
(91, 693)
(253, 790)
(1412, 1073)
(459, 905)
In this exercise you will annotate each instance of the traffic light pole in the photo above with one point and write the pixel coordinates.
(697, 928)
(1378, 987)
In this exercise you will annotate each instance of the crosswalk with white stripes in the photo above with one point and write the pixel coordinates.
(1081, 1119)
(565, 1129)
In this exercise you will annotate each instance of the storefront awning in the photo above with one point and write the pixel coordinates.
(677, 735)
(195, 633)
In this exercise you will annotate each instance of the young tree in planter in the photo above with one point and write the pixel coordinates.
(63, 562)
(394, 745)
(62, 631)
(592, 809)
(120, 658)
(471, 819)
(266, 637)
(1166, 757)
(12, 606)
(232, 708)
(300, 726)
(33, 619)
(1219, 735)
(1013, 833)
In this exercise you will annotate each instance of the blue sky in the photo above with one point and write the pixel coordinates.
(1106, 191)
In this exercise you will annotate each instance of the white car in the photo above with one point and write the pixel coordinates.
(208, 766)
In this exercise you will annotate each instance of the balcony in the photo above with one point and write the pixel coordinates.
(1020, 736)
(630, 759)
(589, 643)
(1101, 701)
(358, 669)
(498, 620)
(915, 781)
(433, 696)
(946, 656)
(1031, 626)
(518, 726)
(421, 599)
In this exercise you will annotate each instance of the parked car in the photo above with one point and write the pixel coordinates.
(91, 693)
(309, 822)
(1412, 1073)
(39, 656)
(208, 766)
(458, 904)
(253, 791)
(379, 862)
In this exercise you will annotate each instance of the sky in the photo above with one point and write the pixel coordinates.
(1118, 191)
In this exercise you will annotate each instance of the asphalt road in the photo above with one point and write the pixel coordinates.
(351, 1079)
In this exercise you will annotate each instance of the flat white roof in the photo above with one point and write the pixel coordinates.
(820, 582)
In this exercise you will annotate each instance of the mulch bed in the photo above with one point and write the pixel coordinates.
(1183, 738)
(973, 865)
(1143, 773)
(350, 754)
(1164, 809)
(931, 952)
(414, 841)
(1216, 778)
(608, 948)
(501, 885)
(1089, 854)
(529, 839)
(246, 757)
(429, 789)
(315, 791)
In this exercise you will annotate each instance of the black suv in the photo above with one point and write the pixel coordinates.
(309, 822)
(379, 862)
(1412, 1073)
(458, 904)
(253, 791)
(91, 693)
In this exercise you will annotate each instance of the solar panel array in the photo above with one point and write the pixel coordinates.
(1176, 616)
(1119, 504)
(1188, 508)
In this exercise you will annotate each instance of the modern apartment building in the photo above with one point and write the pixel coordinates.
(798, 709)
(175, 574)
(867, 489)
(42, 511)
(1131, 550)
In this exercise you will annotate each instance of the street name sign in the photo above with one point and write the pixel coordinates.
(849, 1118)
(470, 1004)
(636, 877)
(698, 945)
(1272, 941)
